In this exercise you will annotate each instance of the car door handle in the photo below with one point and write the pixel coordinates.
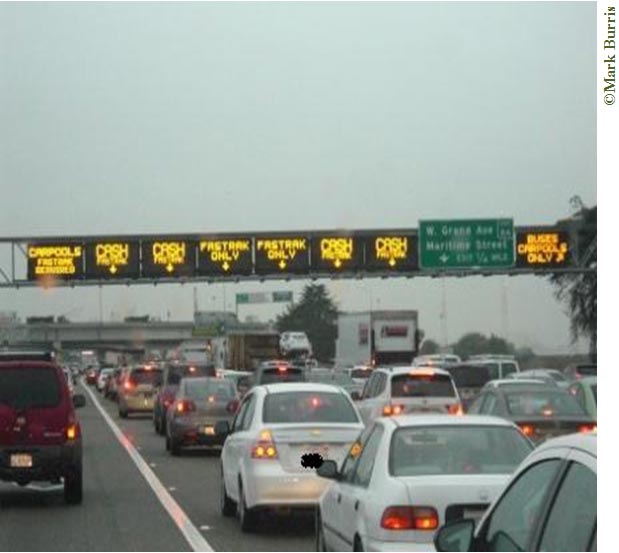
(356, 504)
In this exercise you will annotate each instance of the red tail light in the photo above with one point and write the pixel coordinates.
(73, 428)
(587, 428)
(389, 410)
(265, 447)
(455, 409)
(527, 430)
(232, 406)
(185, 406)
(128, 385)
(409, 518)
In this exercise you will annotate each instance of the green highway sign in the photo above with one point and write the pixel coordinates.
(282, 296)
(466, 244)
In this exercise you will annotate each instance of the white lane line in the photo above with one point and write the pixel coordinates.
(191, 533)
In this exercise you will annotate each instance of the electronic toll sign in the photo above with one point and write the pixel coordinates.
(333, 253)
(113, 259)
(225, 256)
(539, 247)
(48, 262)
(281, 254)
(391, 252)
(168, 258)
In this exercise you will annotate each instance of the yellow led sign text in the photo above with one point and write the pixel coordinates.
(112, 255)
(169, 254)
(55, 261)
(336, 250)
(391, 249)
(543, 248)
(282, 251)
(225, 253)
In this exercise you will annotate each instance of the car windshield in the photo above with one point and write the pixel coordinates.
(594, 389)
(308, 407)
(146, 376)
(24, 387)
(469, 376)
(418, 451)
(360, 373)
(272, 376)
(542, 403)
(219, 388)
(422, 385)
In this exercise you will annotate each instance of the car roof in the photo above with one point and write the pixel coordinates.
(499, 383)
(586, 441)
(282, 387)
(445, 419)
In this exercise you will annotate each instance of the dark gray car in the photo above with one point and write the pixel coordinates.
(200, 403)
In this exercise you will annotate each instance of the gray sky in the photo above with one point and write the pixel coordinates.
(185, 117)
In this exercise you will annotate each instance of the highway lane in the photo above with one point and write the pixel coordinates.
(193, 480)
(120, 512)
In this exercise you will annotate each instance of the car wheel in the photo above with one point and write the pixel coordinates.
(73, 485)
(175, 447)
(358, 546)
(320, 534)
(167, 443)
(226, 505)
(122, 413)
(247, 517)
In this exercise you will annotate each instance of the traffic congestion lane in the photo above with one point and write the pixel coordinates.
(193, 479)
(119, 511)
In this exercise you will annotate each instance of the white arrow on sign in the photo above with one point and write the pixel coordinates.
(444, 258)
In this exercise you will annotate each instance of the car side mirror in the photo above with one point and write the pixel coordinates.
(222, 428)
(355, 396)
(79, 401)
(328, 469)
(455, 536)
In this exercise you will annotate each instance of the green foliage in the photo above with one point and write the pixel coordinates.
(475, 343)
(428, 347)
(316, 315)
(579, 290)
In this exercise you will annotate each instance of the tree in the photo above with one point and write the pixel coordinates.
(429, 347)
(316, 315)
(475, 343)
(579, 290)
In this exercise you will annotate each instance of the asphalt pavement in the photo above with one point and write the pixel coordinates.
(121, 512)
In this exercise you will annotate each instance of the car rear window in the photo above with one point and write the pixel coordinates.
(542, 403)
(360, 373)
(308, 407)
(143, 376)
(175, 374)
(220, 388)
(417, 451)
(422, 385)
(272, 376)
(24, 387)
(588, 370)
(469, 376)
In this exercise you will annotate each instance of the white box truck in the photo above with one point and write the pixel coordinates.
(377, 338)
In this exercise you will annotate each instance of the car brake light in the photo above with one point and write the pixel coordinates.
(455, 409)
(587, 428)
(409, 518)
(282, 368)
(265, 447)
(72, 432)
(389, 410)
(232, 406)
(185, 406)
(527, 429)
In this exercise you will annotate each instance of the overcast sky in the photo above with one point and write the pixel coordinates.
(183, 117)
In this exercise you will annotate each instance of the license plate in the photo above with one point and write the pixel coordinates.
(209, 430)
(21, 460)
(322, 450)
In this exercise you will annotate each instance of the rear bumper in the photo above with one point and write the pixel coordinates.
(48, 462)
(138, 404)
(267, 484)
(193, 433)
(376, 545)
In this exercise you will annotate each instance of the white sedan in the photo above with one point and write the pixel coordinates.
(407, 475)
(280, 435)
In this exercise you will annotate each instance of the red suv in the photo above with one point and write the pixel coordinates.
(40, 436)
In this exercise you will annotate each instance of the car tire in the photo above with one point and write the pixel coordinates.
(226, 505)
(247, 517)
(73, 487)
(122, 413)
(167, 443)
(358, 546)
(175, 447)
(321, 545)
